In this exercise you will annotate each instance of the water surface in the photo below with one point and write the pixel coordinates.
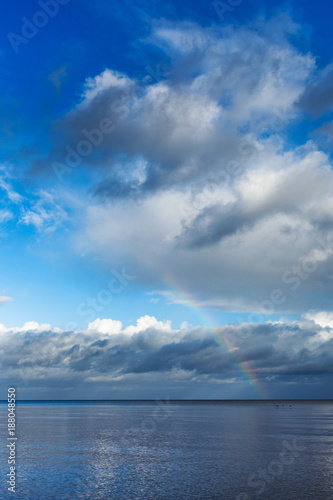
(175, 450)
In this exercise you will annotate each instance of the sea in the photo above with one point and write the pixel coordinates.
(162, 449)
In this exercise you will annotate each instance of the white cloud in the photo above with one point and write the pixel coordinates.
(146, 322)
(322, 318)
(197, 185)
(106, 80)
(281, 214)
(12, 195)
(5, 215)
(45, 213)
(4, 300)
(108, 326)
(32, 326)
(6, 176)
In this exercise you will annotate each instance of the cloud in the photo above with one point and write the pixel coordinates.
(146, 322)
(5, 215)
(264, 192)
(42, 209)
(322, 318)
(45, 212)
(10, 198)
(323, 135)
(196, 170)
(154, 300)
(12, 195)
(109, 326)
(4, 300)
(317, 97)
(231, 246)
(152, 352)
(178, 129)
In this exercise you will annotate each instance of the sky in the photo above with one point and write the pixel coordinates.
(166, 202)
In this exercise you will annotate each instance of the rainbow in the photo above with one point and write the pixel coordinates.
(244, 367)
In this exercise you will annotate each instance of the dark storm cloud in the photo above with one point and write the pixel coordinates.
(201, 356)
(318, 96)
(299, 348)
(324, 135)
(215, 223)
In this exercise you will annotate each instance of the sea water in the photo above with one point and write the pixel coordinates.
(170, 450)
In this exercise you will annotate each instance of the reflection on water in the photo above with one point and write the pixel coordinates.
(238, 451)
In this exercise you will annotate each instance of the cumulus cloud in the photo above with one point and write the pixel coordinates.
(317, 97)
(195, 169)
(322, 318)
(271, 229)
(146, 322)
(317, 100)
(152, 350)
(105, 326)
(176, 130)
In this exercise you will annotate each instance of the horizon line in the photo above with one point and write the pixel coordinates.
(162, 399)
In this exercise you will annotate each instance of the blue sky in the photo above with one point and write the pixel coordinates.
(169, 162)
